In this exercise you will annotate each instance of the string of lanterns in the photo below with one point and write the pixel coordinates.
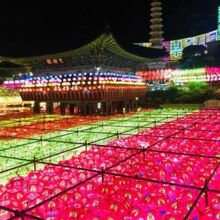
(208, 74)
(76, 81)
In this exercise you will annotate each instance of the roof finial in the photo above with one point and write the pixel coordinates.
(107, 28)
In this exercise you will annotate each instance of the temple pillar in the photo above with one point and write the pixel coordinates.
(36, 107)
(72, 106)
(132, 105)
(135, 105)
(110, 108)
(63, 108)
(104, 109)
(124, 106)
(107, 108)
(49, 108)
(82, 108)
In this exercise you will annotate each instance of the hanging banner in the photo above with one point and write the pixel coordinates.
(177, 46)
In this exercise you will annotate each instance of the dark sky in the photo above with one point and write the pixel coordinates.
(42, 27)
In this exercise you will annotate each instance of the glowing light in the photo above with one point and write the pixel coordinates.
(110, 80)
(182, 76)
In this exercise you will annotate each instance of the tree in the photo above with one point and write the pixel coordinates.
(193, 56)
(194, 50)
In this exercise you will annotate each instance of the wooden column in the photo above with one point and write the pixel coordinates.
(36, 108)
(63, 108)
(110, 108)
(129, 105)
(72, 105)
(82, 108)
(50, 108)
(124, 108)
(103, 107)
(107, 108)
(132, 105)
(135, 105)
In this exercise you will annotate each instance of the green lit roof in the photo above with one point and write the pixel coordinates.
(105, 42)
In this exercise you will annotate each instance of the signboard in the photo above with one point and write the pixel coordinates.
(177, 46)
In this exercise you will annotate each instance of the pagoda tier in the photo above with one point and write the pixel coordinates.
(156, 24)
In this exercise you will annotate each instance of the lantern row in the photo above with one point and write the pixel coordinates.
(159, 74)
(83, 89)
(76, 79)
(208, 74)
(109, 92)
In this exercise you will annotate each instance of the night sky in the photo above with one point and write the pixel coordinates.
(36, 28)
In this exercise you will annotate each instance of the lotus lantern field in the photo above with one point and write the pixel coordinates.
(168, 171)
(32, 126)
(52, 143)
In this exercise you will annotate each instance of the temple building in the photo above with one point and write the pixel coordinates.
(96, 78)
